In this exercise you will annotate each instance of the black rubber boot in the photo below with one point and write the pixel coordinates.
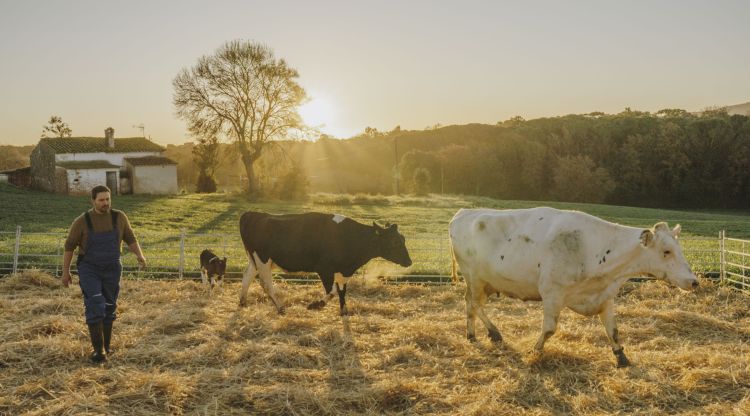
(97, 341)
(107, 332)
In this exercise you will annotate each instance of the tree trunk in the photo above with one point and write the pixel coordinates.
(248, 160)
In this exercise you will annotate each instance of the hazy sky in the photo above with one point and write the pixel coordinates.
(372, 63)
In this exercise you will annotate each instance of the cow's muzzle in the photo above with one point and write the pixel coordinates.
(691, 285)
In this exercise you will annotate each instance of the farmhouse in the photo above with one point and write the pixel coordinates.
(73, 165)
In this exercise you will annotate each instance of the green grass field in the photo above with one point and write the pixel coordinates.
(219, 213)
(210, 221)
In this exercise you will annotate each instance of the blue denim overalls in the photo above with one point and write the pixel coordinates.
(99, 273)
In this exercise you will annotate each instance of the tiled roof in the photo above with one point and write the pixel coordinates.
(98, 144)
(87, 164)
(150, 161)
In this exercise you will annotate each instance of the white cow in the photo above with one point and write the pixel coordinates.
(563, 258)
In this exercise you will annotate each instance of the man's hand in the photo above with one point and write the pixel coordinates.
(141, 261)
(67, 278)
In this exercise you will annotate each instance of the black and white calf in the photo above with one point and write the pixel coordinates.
(212, 266)
(333, 246)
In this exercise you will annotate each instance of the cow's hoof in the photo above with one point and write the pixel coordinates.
(495, 336)
(533, 357)
(622, 360)
(535, 353)
(471, 337)
(243, 303)
(318, 304)
(344, 312)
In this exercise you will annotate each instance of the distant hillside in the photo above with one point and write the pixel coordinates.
(741, 109)
(737, 109)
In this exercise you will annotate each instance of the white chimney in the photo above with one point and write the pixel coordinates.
(109, 137)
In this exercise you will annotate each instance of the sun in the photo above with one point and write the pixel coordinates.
(319, 112)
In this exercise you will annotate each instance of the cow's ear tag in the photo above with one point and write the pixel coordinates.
(647, 237)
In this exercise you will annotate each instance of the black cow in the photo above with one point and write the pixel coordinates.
(332, 246)
(212, 265)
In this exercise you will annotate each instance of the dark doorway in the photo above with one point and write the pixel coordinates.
(112, 182)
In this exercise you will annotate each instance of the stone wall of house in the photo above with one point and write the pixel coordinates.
(42, 160)
(61, 180)
(80, 181)
(158, 179)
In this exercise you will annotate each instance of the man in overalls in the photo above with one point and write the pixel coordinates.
(98, 234)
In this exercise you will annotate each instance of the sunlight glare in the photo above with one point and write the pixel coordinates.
(319, 112)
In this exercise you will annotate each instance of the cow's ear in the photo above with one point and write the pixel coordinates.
(225, 259)
(676, 231)
(647, 237)
(394, 227)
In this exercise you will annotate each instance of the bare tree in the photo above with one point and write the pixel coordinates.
(56, 128)
(243, 94)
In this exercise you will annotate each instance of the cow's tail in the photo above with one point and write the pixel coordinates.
(245, 226)
(454, 270)
(251, 258)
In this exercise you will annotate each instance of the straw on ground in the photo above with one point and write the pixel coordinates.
(403, 351)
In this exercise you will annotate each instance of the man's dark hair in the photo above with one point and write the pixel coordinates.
(98, 189)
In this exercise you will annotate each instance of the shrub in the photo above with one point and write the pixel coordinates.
(422, 181)
(206, 183)
(293, 185)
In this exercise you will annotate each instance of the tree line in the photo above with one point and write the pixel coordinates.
(670, 158)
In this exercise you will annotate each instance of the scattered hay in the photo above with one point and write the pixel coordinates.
(402, 351)
(30, 279)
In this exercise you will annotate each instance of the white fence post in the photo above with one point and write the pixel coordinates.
(182, 252)
(722, 259)
(16, 249)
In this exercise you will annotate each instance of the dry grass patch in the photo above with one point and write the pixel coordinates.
(402, 351)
